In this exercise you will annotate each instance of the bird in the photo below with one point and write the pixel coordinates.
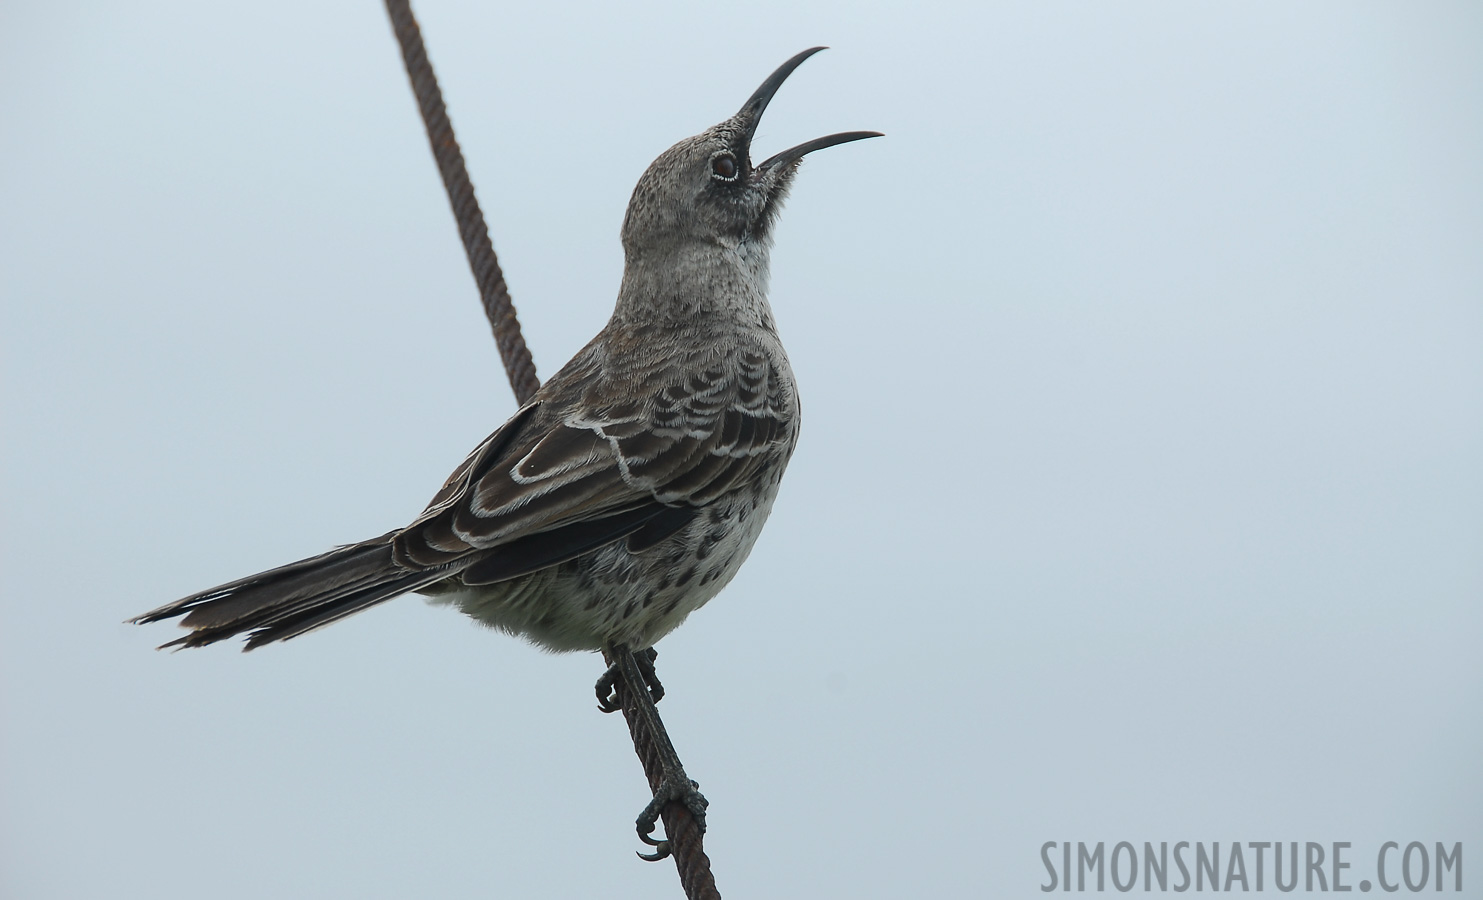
(630, 488)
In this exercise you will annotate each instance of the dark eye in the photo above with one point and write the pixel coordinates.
(724, 167)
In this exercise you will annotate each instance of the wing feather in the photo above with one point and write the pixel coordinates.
(558, 482)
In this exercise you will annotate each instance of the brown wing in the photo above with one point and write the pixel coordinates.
(554, 483)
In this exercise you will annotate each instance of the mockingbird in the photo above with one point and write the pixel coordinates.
(631, 487)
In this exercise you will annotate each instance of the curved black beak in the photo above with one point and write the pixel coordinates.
(794, 154)
(751, 114)
(763, 95)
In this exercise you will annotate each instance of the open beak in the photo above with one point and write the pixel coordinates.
(751, 114)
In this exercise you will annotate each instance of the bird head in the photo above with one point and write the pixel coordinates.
(705, 191)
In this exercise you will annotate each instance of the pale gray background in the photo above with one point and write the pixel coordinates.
(1139, 495)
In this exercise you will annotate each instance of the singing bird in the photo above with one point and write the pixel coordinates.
(631, 487)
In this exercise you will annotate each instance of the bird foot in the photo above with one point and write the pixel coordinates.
(607, 694)
(676, 788)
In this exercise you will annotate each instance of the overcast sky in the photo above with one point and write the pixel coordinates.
(1139, 496)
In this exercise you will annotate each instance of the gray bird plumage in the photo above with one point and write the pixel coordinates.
(632, 486)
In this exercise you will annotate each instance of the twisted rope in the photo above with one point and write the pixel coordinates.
(686, 839)
(683, 832)
(519, 367)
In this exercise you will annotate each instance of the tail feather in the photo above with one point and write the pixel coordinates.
(310, 617)
(287, 601)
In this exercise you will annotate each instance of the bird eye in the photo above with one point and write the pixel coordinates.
(724, 167)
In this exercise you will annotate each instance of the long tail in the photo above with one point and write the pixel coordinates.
(287, 601)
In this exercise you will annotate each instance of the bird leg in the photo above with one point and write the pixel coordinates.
(637, 680)
(607, 696)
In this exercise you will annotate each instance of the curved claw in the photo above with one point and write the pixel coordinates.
(608, 699)
(646, 826)
(645, 662)
(661, 854)
(686, 793)
(662, 849)
(607, 691)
